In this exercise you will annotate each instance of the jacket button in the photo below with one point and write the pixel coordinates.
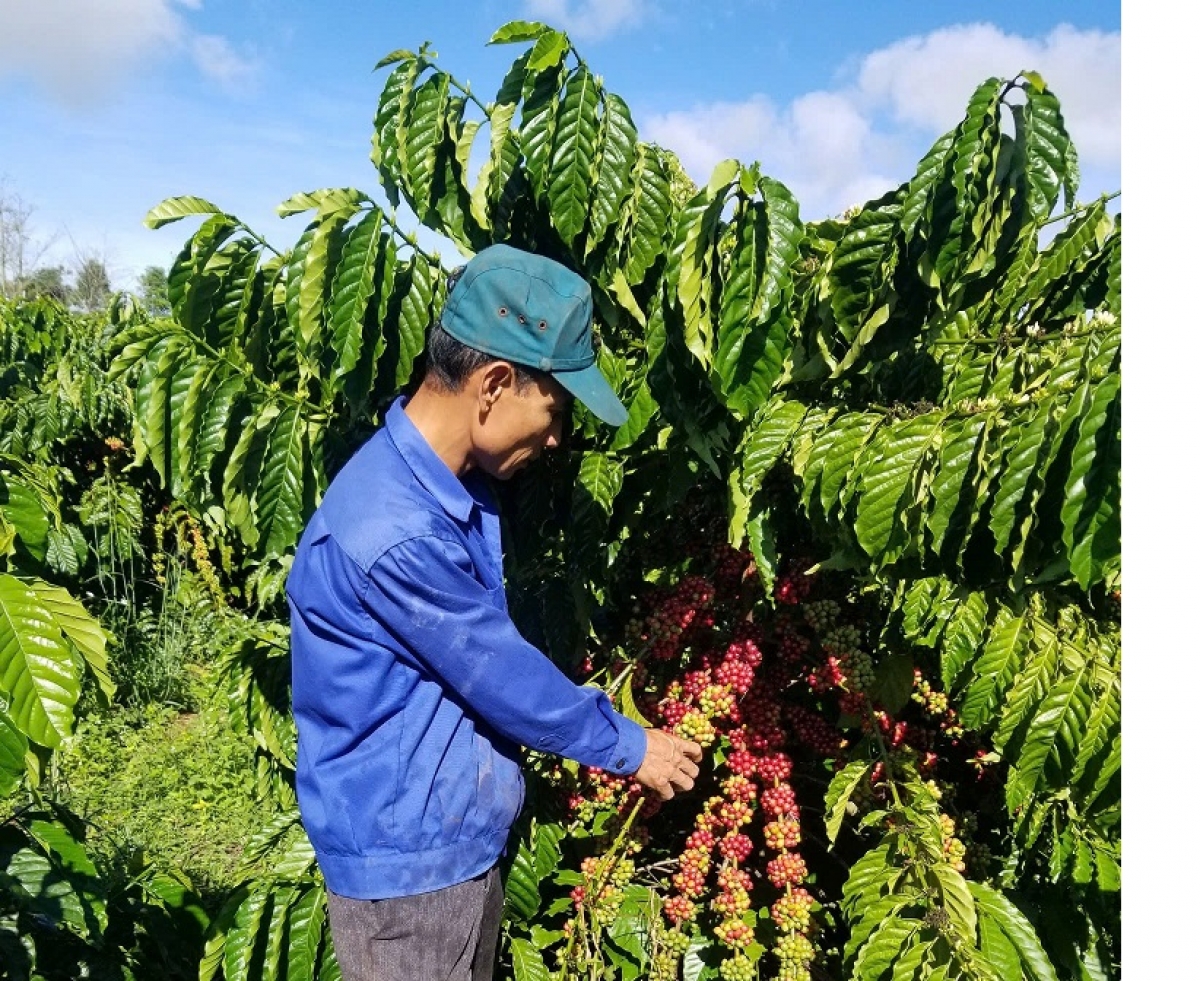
(621, 761)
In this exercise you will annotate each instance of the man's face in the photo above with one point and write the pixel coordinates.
(521, 423)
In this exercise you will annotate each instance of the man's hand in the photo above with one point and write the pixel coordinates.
(670, 764)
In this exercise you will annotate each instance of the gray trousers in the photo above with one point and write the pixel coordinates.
(446, 935)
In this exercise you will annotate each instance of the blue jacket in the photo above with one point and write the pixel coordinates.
(411, 687)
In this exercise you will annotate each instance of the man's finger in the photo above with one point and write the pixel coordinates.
(690, 749)
(683, 781)
(690, 768)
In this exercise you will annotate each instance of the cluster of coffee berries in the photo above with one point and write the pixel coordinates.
(739, 967)
(934, 702)
(672, 945)
(605, 879)
(795, 953)
(952, 847)
(821, 615)
(792, 587)
(598, 791)
(671, 613)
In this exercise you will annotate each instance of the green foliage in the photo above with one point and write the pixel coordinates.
(924, 393)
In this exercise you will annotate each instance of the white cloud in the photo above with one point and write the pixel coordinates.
(926, 81)
(81, 51)
(215, 57)
(836, 148)
(587, 20)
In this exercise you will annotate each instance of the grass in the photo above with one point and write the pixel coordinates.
(165, 786)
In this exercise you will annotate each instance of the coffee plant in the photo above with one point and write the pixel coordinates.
(859, 537)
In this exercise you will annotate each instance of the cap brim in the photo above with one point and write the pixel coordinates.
(592, 389)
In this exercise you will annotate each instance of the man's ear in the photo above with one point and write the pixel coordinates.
(493, 380)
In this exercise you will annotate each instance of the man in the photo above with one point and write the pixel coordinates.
(412, 689)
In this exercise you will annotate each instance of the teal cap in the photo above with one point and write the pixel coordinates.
(535, 312)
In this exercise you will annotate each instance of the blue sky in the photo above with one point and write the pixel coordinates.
(107, 108)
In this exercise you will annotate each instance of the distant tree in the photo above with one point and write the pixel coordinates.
(152, 287)
(19, 250)
(45, 281)
(92, 287)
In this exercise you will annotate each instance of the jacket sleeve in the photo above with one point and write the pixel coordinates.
(425, 596)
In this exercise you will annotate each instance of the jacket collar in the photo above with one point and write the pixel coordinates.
(429, 468)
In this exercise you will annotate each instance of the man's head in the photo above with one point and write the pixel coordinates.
(514, 340)
(535, 313)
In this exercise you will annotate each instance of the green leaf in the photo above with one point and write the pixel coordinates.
(230, 297)
(860, 270)
(596, 488)
(37, 670)
(522, 898)
(152, 402)
(13, 746)
(1009, 933)
(243, 937)
(963, 446)
(39, 887)
(921, 188)
(22, 507)
(391, 121)
(761, 535)
(694, 260)
(215, 424)
(749, 353)
(172, 209)
(884, 947)
(242, 471)
(328, 202)
(647, 215)
(893, 684)
(61, 556)
(890, 485)
(963, 637)
(547, 851)
(694, 966)
(281, 900)
(614, 167)
(305, 922)
(835, 452)
(576, 135)
(1027, 691)
(996, 668)
(1102, 727)
(837, 796)
(528, 964)
(627, 705)
(1022, 476)
(309, 272)
(548, 50)
(1058, 729)
(1046, 147)
(191, 287)
(516, 31)
(71, 860)
(784, 233)
(1091, 507)
(539, 114)
(80, 628)
(218, 932)
(421, 291)
(956, 900)
(353, 286)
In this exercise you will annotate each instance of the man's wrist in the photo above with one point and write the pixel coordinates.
(630, 749)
